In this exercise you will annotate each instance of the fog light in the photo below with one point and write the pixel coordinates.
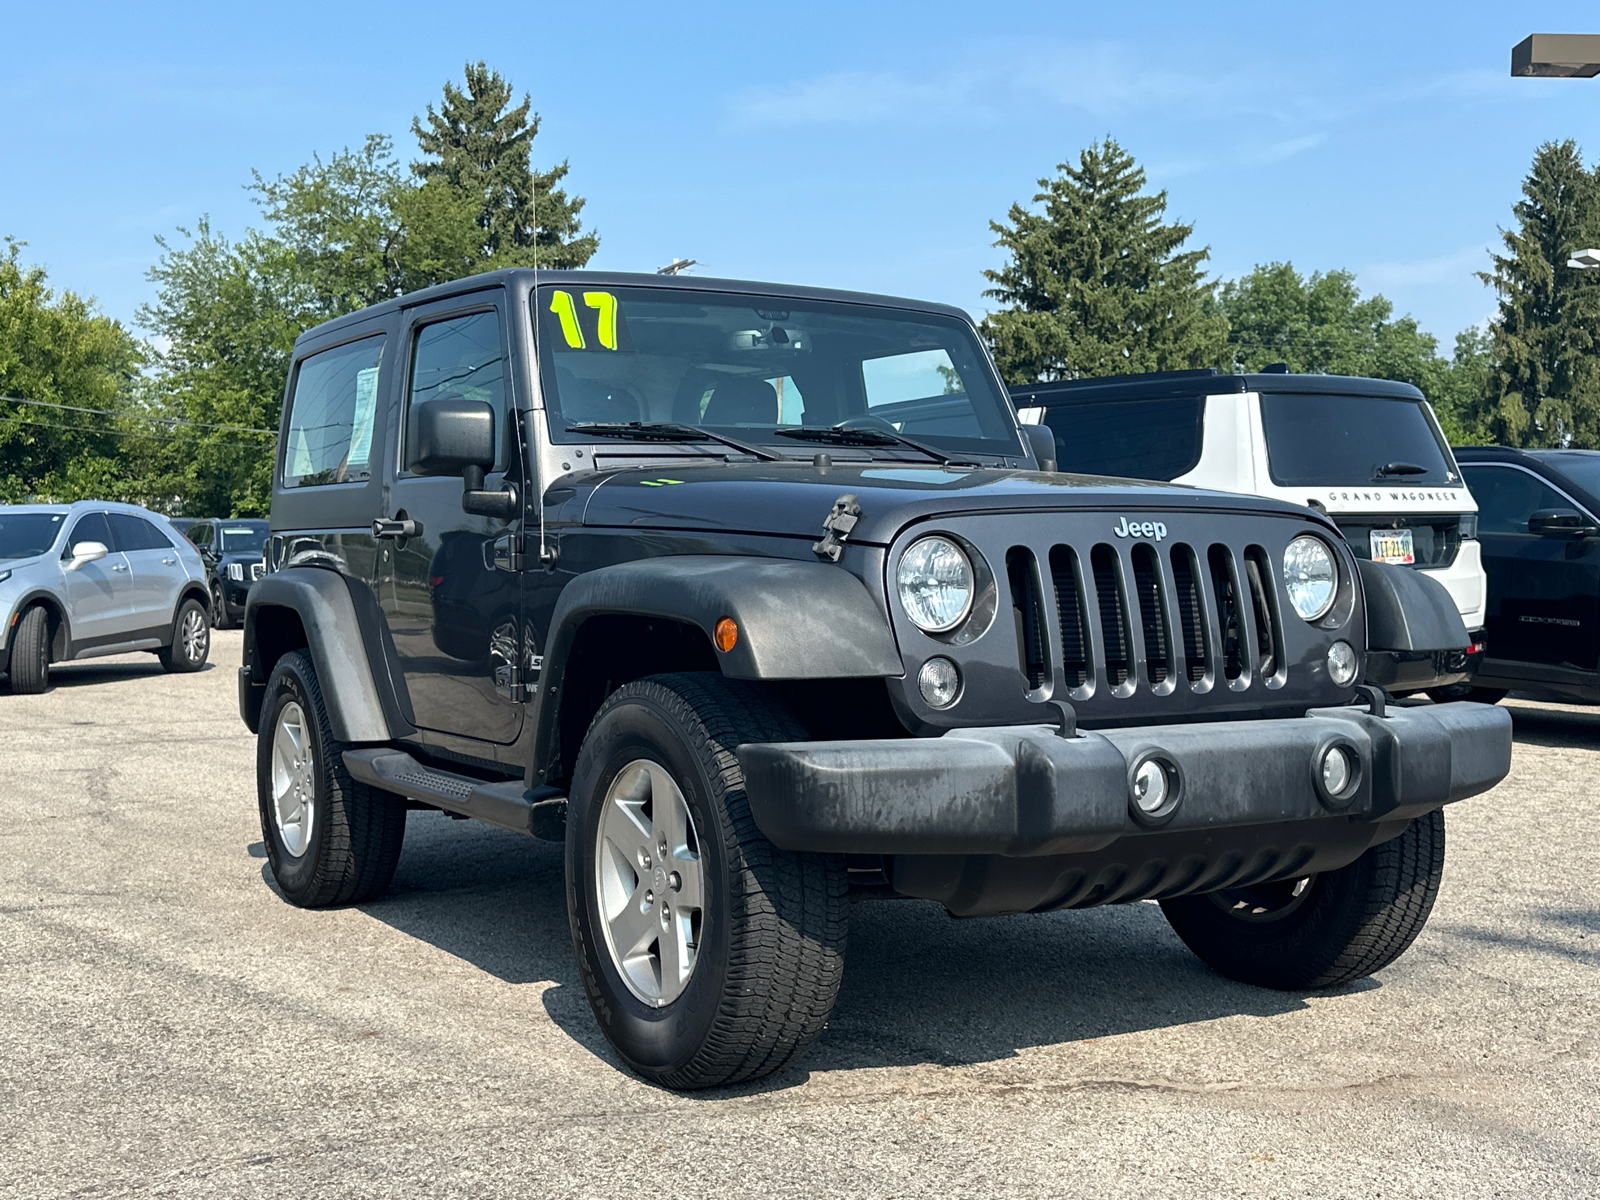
(939, 682)
(1341, 663)
(1337, 770)
(1150, 786)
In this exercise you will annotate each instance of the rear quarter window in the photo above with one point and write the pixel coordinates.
(332, 408)
(1134, 439)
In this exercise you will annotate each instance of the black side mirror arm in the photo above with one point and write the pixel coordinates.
(481, 503)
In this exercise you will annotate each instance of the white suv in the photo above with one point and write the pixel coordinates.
(92, 578)
(1367, 452)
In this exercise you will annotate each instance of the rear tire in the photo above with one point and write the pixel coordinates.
(330, 839)
(191, 639)
(1341, 926)
(758, 933)
(30, 653)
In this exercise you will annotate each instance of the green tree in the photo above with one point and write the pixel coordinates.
(479, 146)
(67, 376)
(229, 313)
(1096, 284)
(1544, 386)
(1460, 403)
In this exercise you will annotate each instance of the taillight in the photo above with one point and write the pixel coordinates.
(435, 580)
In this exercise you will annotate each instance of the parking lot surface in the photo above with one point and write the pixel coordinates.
(170, 1027)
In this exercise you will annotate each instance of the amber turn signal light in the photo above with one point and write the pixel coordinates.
(726, 634)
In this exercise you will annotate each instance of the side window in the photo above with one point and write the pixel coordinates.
(200, 535)
(460, 359)
(1507, 497)
(135, 533)
(331, 413)
(1134, 439)
(91, 527)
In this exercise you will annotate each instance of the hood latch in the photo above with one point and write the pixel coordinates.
(836, 527)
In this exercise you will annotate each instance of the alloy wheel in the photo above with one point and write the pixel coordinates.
(650, 882)
(194, 635)
(1265, 901)
(294, 787)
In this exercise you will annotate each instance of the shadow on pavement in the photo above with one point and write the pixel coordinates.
(85, 674)
(1554, 728)
(919, 987)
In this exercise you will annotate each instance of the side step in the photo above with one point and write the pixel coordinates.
(540, 811)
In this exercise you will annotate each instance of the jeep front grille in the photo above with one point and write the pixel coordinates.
(1162, 622)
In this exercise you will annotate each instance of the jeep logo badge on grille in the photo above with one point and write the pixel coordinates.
(1148, 529)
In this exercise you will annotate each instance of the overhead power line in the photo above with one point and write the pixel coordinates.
(133, 433)
(106, 412)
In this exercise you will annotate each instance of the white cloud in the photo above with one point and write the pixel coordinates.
(1102, 79)
(1455, 268)
(1276, 152)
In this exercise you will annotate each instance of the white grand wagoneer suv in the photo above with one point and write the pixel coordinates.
(1367, 452)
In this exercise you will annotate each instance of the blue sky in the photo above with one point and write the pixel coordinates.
(854, 145)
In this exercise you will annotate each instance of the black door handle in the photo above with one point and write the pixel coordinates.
(400, 527)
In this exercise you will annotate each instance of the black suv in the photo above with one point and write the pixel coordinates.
(1541, 551)
(755, 597)
(233, 551)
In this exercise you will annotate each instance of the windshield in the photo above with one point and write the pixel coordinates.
(747, 367)
(241, 539)
(24, 535)
(1348, 440)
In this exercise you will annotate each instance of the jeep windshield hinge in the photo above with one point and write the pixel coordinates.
(836, 527)
(504, 553)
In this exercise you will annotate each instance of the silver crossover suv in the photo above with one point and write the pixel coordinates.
(92, 578)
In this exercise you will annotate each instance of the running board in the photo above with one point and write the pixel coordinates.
(540, 811)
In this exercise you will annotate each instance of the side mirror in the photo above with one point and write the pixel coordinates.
(1562, 523)
(449, 437)
(1043, 444)
(85, 553)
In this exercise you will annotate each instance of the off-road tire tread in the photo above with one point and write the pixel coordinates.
(1391, 891)
(30, 653)
(790, 912)
(366, 826)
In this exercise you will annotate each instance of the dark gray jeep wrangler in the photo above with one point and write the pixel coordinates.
(758, 597)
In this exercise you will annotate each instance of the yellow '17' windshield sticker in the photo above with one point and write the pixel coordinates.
(597, 325)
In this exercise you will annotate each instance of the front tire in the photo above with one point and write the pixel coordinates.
(30, 653)
(1325, 930)
(718, 961)
(191, 639)
(330, 839)
(220, 618)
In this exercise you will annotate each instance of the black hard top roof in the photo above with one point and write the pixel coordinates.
(523, 278)
(1154, 385)
(1513, 454)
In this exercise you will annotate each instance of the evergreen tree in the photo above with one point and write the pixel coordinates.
(1097, 284)
(1544, 387)
(480, 147)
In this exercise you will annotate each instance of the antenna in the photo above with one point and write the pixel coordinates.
(545, 554)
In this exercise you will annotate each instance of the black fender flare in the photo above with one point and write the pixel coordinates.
(797, 620)
(1408, 612)
(348, 641)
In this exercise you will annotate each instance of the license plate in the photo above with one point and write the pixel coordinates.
(1392, 546)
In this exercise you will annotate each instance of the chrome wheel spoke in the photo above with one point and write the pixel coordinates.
(293, 780)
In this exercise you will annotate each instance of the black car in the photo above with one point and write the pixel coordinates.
(1541, 551)
(755, 597)
(234, 558)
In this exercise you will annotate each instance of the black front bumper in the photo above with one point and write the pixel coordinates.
(1023, 791)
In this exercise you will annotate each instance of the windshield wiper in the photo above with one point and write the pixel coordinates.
(1399, 468)
(667, 431)
(836, 435)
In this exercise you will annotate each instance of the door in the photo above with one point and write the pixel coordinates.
(1544, 592)
(157, 574)
(455, 618)
(99, 595)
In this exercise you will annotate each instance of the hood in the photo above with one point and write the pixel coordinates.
(791, 500)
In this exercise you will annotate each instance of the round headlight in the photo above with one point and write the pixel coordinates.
(1310, 576)
(935, 583)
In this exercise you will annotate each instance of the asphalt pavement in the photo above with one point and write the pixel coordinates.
(170, 1027)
